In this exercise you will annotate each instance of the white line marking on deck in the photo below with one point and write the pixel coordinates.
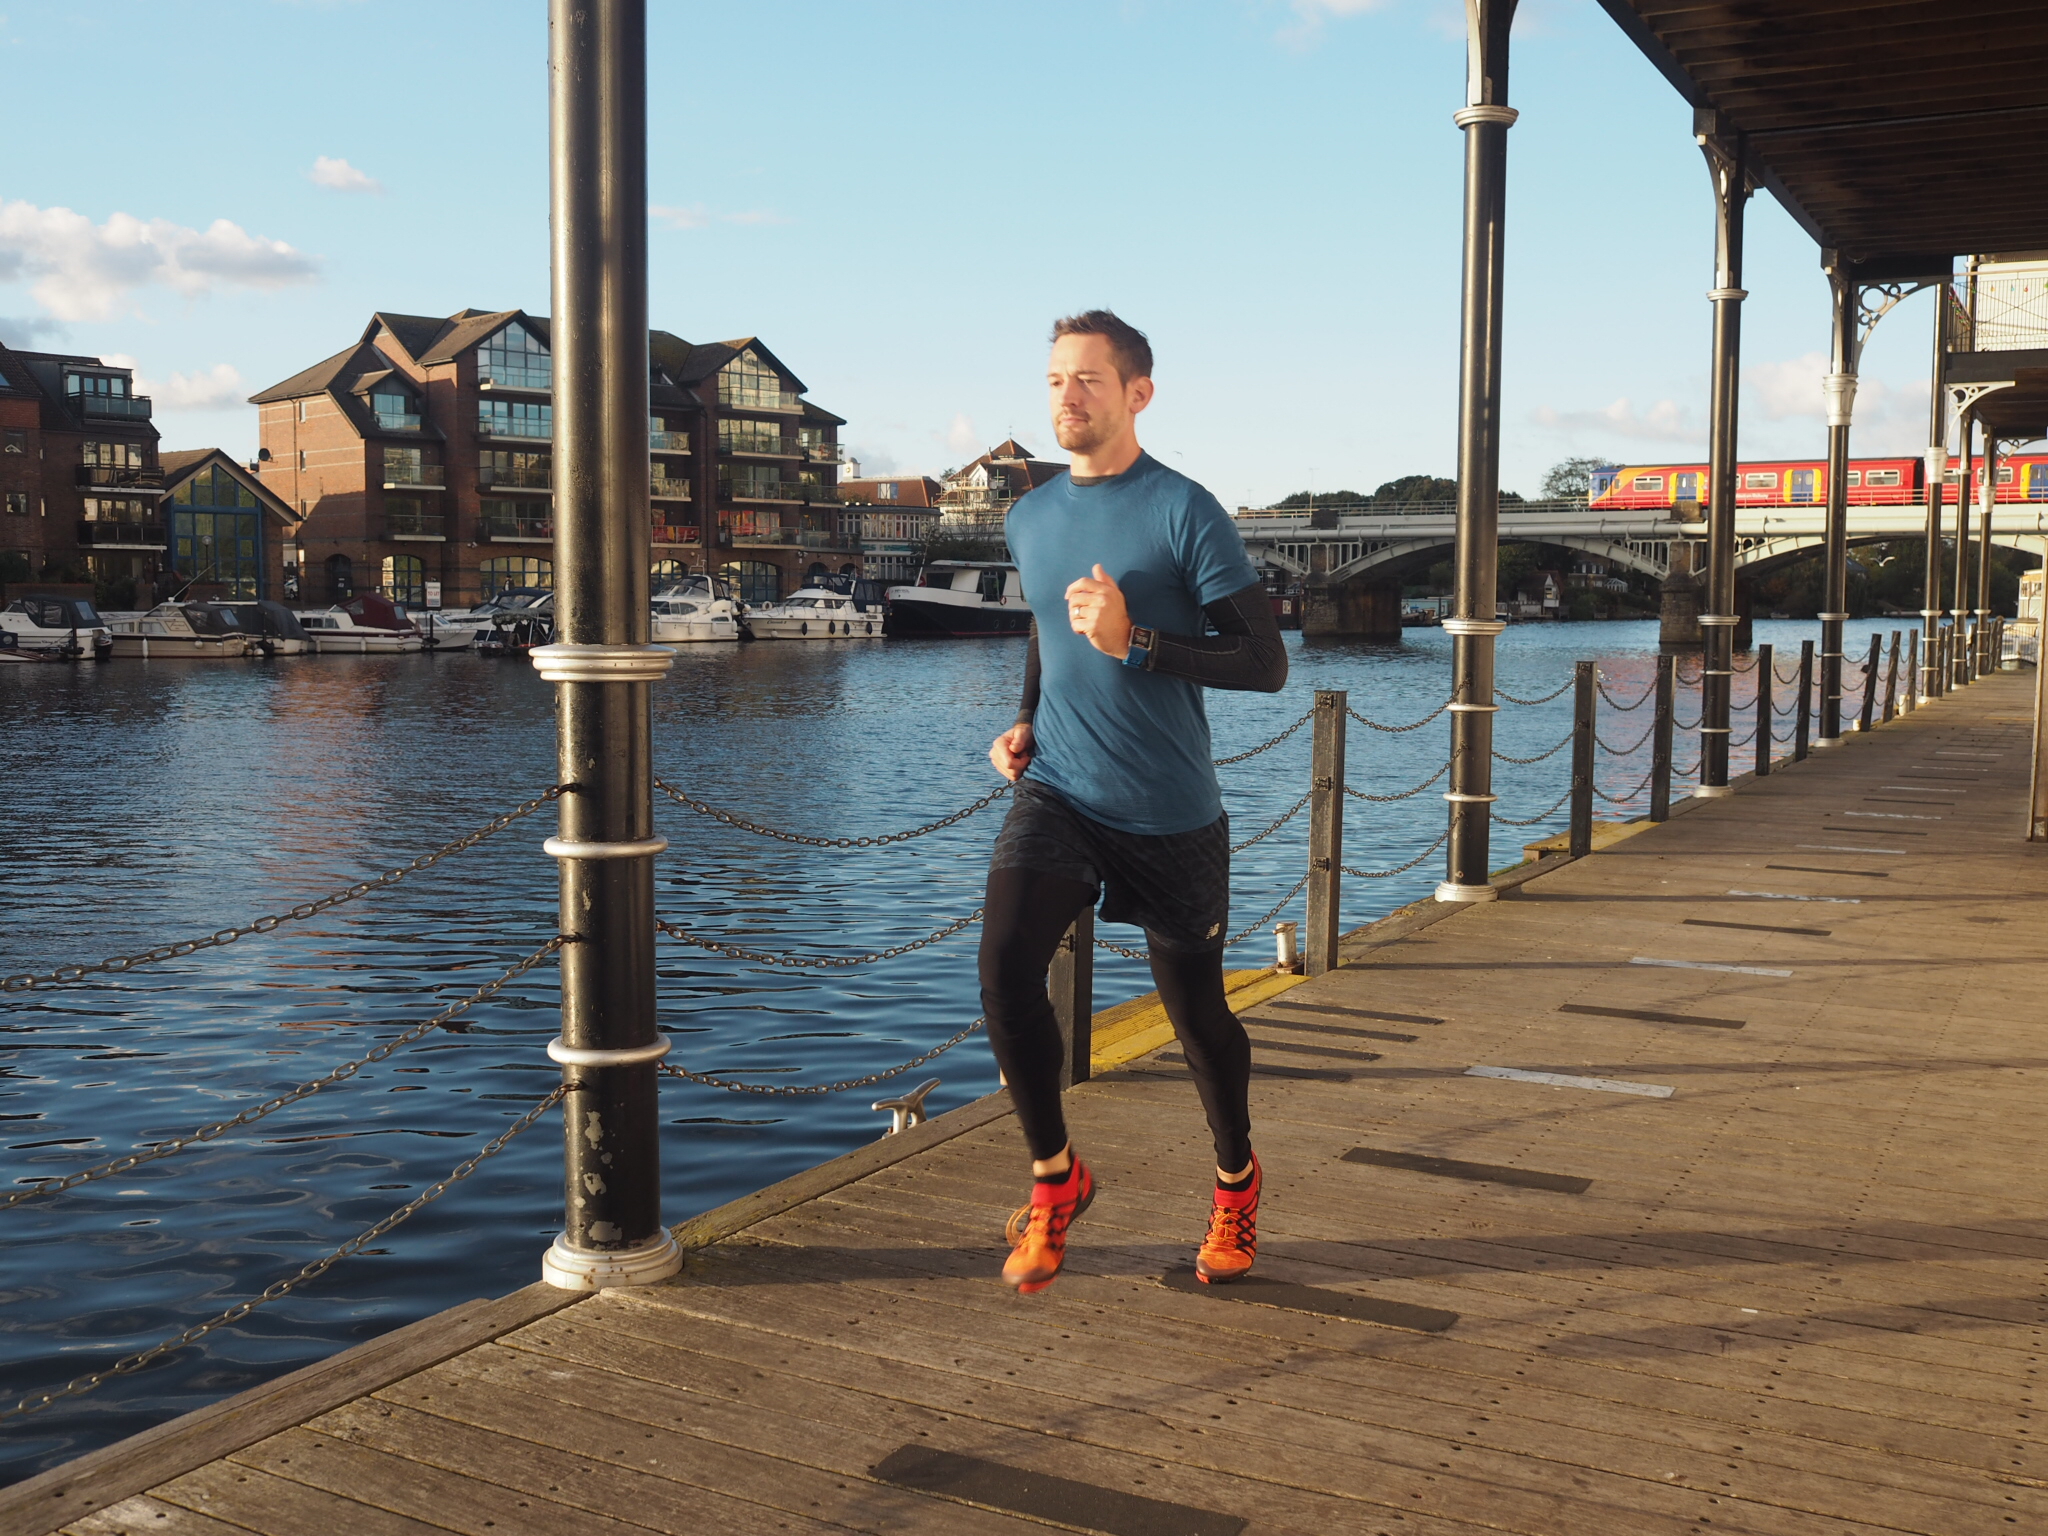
(1922, 789)
(1889, 816)
(1846, 901)
(1708, 965)
(1560, 1080)
(1842, 848)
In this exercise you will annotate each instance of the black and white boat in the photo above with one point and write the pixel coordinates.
(959, 599)
(68, 627)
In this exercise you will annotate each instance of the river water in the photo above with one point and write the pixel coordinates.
(152, 801)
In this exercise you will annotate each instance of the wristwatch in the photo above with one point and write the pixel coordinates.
(1142, 642)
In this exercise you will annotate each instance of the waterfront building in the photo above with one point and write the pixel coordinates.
(897, 516)
(225, 532)
(977, 495)
(80, 483)
(423, 454)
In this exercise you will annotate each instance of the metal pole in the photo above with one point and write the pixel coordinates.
(1763, 711)
(1891, 682)
(1912, 670)
(1485, 120)
(602, 664)
(1984, 661)
(1799, 728)
(1926, 684)
(2037, 796)
(1071, 980)
(1325, 831)
(1583, 698)
(1959, 602)
(1660, 745)
(1727, 166)
(1869, 684)
(1839, 389)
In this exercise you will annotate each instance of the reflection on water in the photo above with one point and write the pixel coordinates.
(152, 801)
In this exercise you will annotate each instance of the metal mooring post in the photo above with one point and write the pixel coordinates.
(1763, 711)
(1983, 660)
(601, 663)
(1584, 683)
(1325, 831)
(1660, 745)
(1072, 980)
(1912, 670)
(1869, 685)
(1728, 165)
(1802, 725)
(1926, 683)
(1891, 681)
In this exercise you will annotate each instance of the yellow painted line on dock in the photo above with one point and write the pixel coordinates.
(1130, 1030)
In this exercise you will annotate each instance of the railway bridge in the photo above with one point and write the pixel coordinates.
(1350, 560)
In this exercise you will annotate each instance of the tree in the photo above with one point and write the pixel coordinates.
(1323, 499)
(1572, 479)
(1411, 490)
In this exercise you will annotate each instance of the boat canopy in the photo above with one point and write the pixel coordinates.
(47, 611)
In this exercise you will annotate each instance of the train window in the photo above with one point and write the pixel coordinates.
(1765, 480)
(1647, 483)
(1877, 477)
(2005, 474)
(1951, 477)
(1856, 478)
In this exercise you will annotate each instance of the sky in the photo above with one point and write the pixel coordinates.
(899, 197)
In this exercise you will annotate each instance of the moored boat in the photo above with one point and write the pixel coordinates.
(182, 632)
(462, 631)
(960, 599)
(274, 627)
(695, 609)
(814, 613)
(364, 625)
(66, 627)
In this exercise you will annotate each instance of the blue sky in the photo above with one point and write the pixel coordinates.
(898, 197)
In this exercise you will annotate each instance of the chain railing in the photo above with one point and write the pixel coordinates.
(815, 962)
(1395, 730)
(1633, 746)
(1612, 703)
(1264, 746)
(1286, 816)
(341, 1074)
(816, 1090)
(1523, 762)
(1237, 938)
(1541, 816)
(299, 913)
(877, 840)
(1406, 794)
(1558, 692)
(80, 1385)
(1629, 794)
(1398, 869)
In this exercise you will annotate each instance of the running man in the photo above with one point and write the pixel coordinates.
(1115, 792)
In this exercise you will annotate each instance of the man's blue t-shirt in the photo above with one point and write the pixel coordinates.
(1125, 747)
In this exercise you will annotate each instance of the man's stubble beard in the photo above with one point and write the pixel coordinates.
(1086, 437)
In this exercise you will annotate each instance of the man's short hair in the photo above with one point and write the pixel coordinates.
(1127, 344)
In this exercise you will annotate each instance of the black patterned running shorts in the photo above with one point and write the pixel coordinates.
(1175, 887)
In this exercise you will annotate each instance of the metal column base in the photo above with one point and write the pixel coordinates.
(579, 1269)
(1826, 741)
(1450, 890)
(1712, 791)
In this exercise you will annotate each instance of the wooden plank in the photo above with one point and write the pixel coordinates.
(104, 1477)
(144, 1516)
(274, 1506)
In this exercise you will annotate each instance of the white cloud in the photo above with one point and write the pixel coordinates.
(211, 389)
(28, 331)
(1787, 388)
(1309, 16)
(84, 271)
(697, 216)
(874, 461)
(337, 174)
(1664, 422)
(962, 438)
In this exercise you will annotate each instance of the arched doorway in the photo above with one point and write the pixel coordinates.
(341, 578)
(514, 571)
(753, 581)
(405, 580)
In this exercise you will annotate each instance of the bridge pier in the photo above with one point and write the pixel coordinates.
(1356, 609)
(1684, 595)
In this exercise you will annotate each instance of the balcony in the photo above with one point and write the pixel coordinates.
(664, 489)
(758, 400)
(533, 380)
(103, 535)
(763, 448)
(730, 489)
(825, 494)
(397, 476)
(798, 538)
(824, 453)
(425, 526)
(665, 534)
(108, 477)
(531, 477)
(669, 442)
(517, 431)
(113, 407)
(518, 528)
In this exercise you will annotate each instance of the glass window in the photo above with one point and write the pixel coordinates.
(13, 442)
(746, 381)
(1763, 480)
(1855, 478)
(1647, 483)
(515, 418)
(395, 410)
(741, 435)
(886, 491)
(516, 359)
(405, 580)
(522, 469)
(514, 571)
(753, 581)
(341, 578)
(756, 482)
(17, 503)
(1877, 477)
(218, 547)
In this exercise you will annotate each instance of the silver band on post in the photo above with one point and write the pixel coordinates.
(1720, 618)
(1715, 295)
(581, 1056)
(569, 848)
(1465, 117)
(602, 663)
(1461, 799)
(1473, 709)
(1842, 616)
(1474, 626)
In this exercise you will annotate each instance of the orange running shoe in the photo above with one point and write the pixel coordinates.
(1039, 1230)
(1227, 1252)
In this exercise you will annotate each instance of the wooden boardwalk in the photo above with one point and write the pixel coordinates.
(1803, 1293)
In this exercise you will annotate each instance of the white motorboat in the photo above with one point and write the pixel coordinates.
(462, 631)
(364, 625)
(183, 632)
(274, 628)
(958, 599)
(438, 634)
(57, 626)
(695, 609)
(814, 613)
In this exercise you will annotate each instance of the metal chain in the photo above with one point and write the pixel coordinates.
(1398, 869)
(880, 840)
(1685, 773)
(817, 962)
(1264, 746)
(78, 1386)
(1688, 725)
(1679, 673)
(1624, 751)
(812, 1090)
(1562, 688)
(255, 1112)
(1626, 795)
(1289, 815)
(1406, 794)
(1624, 708)
(1526, 761)
(1395, 730)
(1743, 741)
(303, 910)
(1781, 677)
(1516, 821)
(1237, 938)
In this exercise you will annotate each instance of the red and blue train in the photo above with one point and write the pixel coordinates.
(1804, 482)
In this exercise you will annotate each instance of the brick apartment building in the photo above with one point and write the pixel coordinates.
(424, 453)
(978, 494)
(896, 515)
(81, 488)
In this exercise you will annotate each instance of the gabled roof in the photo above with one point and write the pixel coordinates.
(312, 381)
(183, 464)
(706, 360)
(817, 415)
(347, 378)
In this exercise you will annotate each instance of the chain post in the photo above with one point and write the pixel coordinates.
(1660, 744)
(1800, 730)
(1073, 998)
(1869, 684)
(1891, 682)
(1325, 831)
(1763, 711)
(1912, 671)
(1584, 696)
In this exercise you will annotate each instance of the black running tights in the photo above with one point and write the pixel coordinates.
(1025, 915)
